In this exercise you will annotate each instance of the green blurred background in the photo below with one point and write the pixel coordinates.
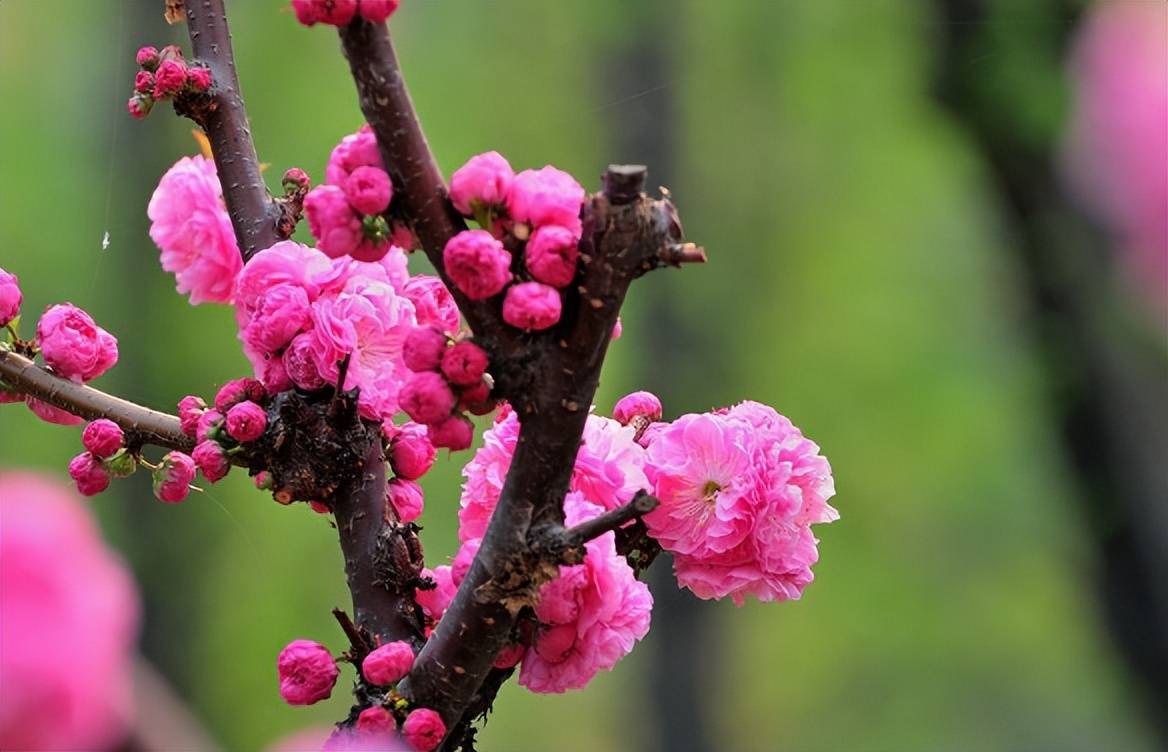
(860, 280)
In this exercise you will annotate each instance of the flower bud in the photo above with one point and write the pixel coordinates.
(464, 364)
(211, 460)
(546, 197)
(483, 181)
(319, 507)
(476, 399)
(50, 414)
(477, 264)
(423, 730)
(510, 656)
(122, 464)
(236, 391)
(307, 672)
(199, 78)
(376, 721)
(209, 425)
(406, 498)
(147, 58)
(295, 180)
(172, 479)
(551, 255)
(190, 409)
(411, 455)
(246, 421)
(10, 298)
(102, 438)
(139, 106)
(263, 480)
(143, 82)
(637, 404)
(89, 475)
(73, 345)
(455, 433)
(377, 11)
(531, 306)
(170, 78)
(426, 398)
(369, 190)
(423, 349)
(388, 663)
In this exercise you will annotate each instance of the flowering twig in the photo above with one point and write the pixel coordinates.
(641, 504)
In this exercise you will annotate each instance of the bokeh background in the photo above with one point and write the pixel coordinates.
(895, 264)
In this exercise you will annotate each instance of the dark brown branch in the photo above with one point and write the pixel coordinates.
(142, 424)
(357, 641)
(639, 505)
(257, 218)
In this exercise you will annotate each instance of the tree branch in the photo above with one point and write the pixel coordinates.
(255, 216)
(141, 423)
(639, 505)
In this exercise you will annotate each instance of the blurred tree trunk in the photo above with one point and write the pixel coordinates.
(1107, 375)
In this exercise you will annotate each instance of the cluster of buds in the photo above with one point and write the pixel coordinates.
(449, 378)
(105, 457)
(308, 673)
(236, 418)
(411, 455)
(341, 12)
(537, 214)
(165, 75)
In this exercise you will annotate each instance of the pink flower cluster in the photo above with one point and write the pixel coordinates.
(536, 209)
(341, 12)
(164, 75)
(68, 616)
(10, 297)
(345, 215)
(190, 226)
(739, 490)
(301, 313)
(448, 377)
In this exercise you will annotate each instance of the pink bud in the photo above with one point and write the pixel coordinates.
(388, 663)
(369, 190)
(531, 306)
(477, 263)
(332, 12)
(170, 78)
(463, 559)
(246, 421)
(172, 479)
(50, 414)
(263, 480)
(637, 405)
(295, 179)
(376, 11)
(102, 438)
(209, 422)
(510, 656)
(10, 297)
(484, 180)
(423, 349)
(300, 365)
(476, 399)
(455, 433)
(423, 730)
(211, 460)
(199, 78)
(73, 345)
(238, 390)
(139, 106)
(334, 224)
(551, 255)
(147, 58)
(307, 672)
(89, 475)
(464, 364)
(546, 197)
(410, 452)
(375, 720)
(406, 498)
(426, 398)
(143, 82)
(617, 330)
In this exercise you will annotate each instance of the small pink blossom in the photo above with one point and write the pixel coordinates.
(454, 433)
(463, 560)
(551, 255)
(147, 57)
(307, 672)
(423, 729)
(637, 405)
(208, 423)
(139, 106)
(375, 720)
(211, 460)
(617, 330)
(464, 364)
(406, 498)
(433, 303)
(286, 262)
(331, 12)
(388, 663)
(368, 190)
(483, 181)
(89, 474)
(476, 399)
(237, 390)
(102, 438)
(376, 11)
(546, 197)
(143, 82)
(10, 297)
(281, 312)
(423, 349)
(50, 414)
(170, 78)
(355, 150)
(73, 345)
(332, 221)
(411, 455)
(199, 78)
(436, 600)
(246, 421)
(477, 264)
(172, 479)
(300, 365)
(427, 398)
(531, 306)
(190, 226)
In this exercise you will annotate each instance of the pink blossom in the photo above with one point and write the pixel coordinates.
(190, 226)
(463, 560)
(10, 297)
(411, 455)
(551, 255)
(102, 438)
(433, 303)
(388, 663)
(368, 190)
(286, 262)
(281, 312)
(375, 720)
(237, 390)
(190, 409)
(476, 399)
(50, 414)
(331, 12)
(68, 617)
(208, 423)
(427, 398)
(454, 433)
(88, 473)
(73, 345)
(484, 181)
(139, 106)
(332, 221)
(307, 672)
(406, 498)
(423, 729)
(464, 364)
(590, 616)
(246, 421)
(546, 197)
(739, 490)
(376, 11)
(143, 82)
(436, 600)
(423, 349)
(300, 365)
(211, 460)
(147, 57)
(172, 479)
(531, 306)
(609, 470)
(355, 150)
(199, 78)
(170, 78)
(637, 405)
(477, 264)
